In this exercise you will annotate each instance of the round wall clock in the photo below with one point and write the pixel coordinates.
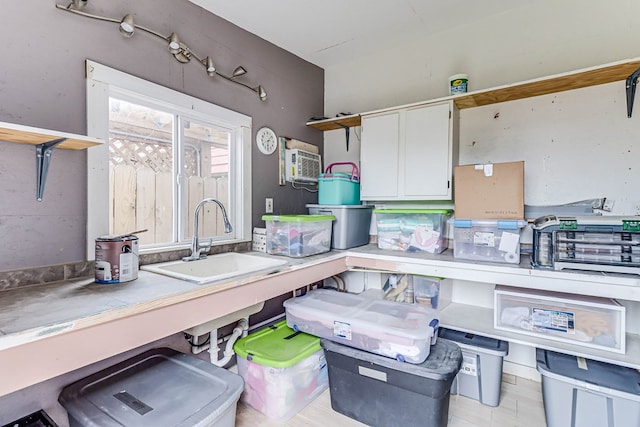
(266, 140)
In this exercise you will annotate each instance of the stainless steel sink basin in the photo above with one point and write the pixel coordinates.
(216, 267)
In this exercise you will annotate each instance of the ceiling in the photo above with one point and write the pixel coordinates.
(330, 32)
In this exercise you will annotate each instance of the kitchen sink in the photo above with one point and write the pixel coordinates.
(216, 267)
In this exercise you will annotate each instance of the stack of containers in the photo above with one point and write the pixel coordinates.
(489, 212)
(385, 366)
(339, 195)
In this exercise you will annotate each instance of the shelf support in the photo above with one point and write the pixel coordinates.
(43, 158)
(631, 90)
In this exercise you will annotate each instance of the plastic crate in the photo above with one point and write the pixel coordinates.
(412, 230)
(581, 320)
(298, 235)
(351, 227)
(401, 331)
(383, 392)
(480, 376)
(160, 387)
(283, 370)
(587, 393)
(487, 240)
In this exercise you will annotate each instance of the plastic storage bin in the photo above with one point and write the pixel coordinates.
(338, 188)
(37, 419)
(588, 393)
(283, 370)
(480, 376)
(401, 331)
(351, 227)
(160, 387)
(298, 235)
(487, 240)
(383, 392)
(581, 320)
(412, 229)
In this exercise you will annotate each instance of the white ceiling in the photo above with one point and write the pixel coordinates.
(329, 32)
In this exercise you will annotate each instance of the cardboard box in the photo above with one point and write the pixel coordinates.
(489, 191)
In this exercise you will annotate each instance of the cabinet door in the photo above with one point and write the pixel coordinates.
(426, 154)
(379, 157)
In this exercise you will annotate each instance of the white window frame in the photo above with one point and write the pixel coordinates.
(104, 82)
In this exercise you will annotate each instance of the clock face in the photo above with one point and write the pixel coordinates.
(266, 140)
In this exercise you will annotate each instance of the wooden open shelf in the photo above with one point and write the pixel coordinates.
(29, 135)
(586, 77)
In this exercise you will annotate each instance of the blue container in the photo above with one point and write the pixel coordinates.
(339, 188)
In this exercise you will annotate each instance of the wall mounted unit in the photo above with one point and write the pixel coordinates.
(302, 166)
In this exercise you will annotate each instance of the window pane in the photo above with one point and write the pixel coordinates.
(206, 157)
(141, 171)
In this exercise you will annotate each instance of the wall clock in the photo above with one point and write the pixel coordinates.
(266, 140)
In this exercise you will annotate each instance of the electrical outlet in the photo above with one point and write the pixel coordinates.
(268, 205)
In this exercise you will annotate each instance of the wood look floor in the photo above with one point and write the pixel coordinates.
(520, 406)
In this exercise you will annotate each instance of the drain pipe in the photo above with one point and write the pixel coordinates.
(241, 329)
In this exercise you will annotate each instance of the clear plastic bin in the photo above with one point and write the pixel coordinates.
(582, 320)
(298, 235)
(283, 370)
(487, 240)
(412, 230)
(401, 331)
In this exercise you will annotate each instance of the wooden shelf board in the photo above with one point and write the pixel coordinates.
(335, 123)
(547, 85)
(616, 71)
(29, 135)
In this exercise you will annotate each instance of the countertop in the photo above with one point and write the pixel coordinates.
(75, 323)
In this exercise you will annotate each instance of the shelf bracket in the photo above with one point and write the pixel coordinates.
(43, 158)
(631, 90)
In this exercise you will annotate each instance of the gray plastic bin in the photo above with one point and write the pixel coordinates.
(589, 393)
(382, 392)
(480, 376)
(160, 387)
(351, 227)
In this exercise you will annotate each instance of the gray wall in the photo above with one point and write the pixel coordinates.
(42, 84)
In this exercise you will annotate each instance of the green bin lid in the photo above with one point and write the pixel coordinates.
(277, 346)
(298, 218)
(413, 211)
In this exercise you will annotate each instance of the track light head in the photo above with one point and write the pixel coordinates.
(174, 43)
(127, 26)
(261, 93)
(210, 66)
(239, 71)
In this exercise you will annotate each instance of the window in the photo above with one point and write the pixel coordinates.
(166, 152)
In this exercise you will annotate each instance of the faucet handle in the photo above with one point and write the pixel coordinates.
(206, 245)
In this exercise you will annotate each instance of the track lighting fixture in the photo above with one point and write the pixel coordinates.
(178, 49)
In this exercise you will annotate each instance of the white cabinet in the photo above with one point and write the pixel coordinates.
(407, 153)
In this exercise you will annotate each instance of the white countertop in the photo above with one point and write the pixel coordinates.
(75, 323)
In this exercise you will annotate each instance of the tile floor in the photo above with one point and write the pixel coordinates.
(520, 406)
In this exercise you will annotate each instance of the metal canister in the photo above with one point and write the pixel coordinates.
(116, 259)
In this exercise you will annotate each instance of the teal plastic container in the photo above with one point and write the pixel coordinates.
(339, 188)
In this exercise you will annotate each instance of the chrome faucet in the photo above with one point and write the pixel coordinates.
(196, 246)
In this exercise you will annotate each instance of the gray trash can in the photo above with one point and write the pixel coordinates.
(480, 376)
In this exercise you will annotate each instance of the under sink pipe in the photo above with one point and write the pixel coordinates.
(240, 330)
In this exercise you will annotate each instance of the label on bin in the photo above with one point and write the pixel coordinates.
(342, 330)
(484, 238)
(553, 320)
(469, 364)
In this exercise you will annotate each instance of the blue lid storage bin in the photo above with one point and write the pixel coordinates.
(338, 188)
(490, 240)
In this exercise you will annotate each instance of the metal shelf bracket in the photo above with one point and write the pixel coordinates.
(631, 90)
(43, 158)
